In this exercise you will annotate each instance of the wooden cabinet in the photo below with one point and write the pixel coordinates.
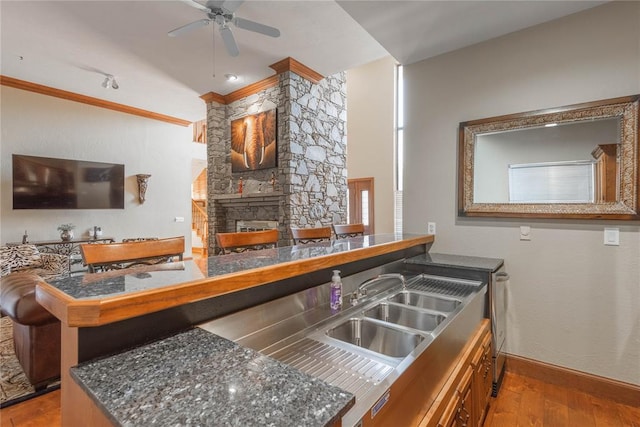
(459, 411)
(606, 172)
(482, 380)
(465, 397)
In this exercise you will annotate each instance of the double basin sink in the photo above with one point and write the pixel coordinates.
(396, 325)
(364, 348)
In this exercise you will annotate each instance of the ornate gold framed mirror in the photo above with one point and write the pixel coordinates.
(578, 161)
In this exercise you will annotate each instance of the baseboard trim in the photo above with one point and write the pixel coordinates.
(606, 388)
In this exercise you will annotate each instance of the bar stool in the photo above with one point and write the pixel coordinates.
(310, 235)
(343, 231)
(246, 241)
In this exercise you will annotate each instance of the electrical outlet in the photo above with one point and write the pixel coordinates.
(525, 232)
(431, 228)
(179, 219)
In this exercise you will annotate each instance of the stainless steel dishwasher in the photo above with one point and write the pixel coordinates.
(498, 288)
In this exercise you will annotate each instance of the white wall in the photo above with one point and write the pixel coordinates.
(573, 301)
(45, 126)
(370, 133)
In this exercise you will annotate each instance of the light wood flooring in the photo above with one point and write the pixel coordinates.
(522, 401)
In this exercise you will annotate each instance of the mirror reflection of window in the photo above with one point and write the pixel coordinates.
(554, 182)
(566, 142)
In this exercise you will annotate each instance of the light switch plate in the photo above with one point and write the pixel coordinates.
(525, 232)
(612, 236)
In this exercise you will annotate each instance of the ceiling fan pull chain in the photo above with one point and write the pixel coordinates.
(213, 64)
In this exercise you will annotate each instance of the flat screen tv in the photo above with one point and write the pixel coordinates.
(48, 183)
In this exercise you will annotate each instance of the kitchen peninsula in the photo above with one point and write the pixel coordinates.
(103, 315)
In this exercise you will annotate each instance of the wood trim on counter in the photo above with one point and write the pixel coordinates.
(96, 102)
(606, 388)
(96, 312)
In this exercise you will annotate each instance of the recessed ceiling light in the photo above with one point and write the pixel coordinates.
(231, 77)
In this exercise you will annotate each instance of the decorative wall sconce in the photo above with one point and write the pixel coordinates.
(143, 178)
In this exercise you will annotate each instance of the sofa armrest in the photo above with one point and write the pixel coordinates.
(18, 299)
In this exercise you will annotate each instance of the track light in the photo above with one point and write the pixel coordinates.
(110, 82)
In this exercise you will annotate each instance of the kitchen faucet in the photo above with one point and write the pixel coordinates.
(362, 289)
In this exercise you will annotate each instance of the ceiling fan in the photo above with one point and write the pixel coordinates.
(222, 13)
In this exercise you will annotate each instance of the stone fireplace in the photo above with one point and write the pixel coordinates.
(308, 187)
(257, 225)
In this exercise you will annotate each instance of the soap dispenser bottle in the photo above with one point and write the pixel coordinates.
(336, 291)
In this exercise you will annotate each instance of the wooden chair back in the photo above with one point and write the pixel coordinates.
(116, 256)
(246, 241)
(310, 235)
(343, 231)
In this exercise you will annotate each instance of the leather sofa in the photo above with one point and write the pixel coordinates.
(36, 332)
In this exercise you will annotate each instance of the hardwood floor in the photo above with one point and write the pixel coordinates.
(522, 402)
(42, 411)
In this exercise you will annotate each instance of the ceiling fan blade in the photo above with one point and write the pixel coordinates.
(194, 3)
(231, 5)
(186, 28)
(246, 24)
(229, 41)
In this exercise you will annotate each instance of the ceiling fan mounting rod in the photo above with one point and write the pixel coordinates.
(218, 13)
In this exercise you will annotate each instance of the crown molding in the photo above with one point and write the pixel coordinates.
(242, 92)
(96, 102)
(290, 64)
(213, 97)
(287, 64)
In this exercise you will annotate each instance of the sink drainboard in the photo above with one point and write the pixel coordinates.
(442, 287)
(349, 371)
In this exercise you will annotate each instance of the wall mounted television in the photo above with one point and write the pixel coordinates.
(49, 183)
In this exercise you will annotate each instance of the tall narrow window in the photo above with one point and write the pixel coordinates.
(399, 148)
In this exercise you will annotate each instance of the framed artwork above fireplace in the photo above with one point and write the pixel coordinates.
(253, 142)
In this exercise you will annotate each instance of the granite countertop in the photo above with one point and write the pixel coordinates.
(196, 378)
(97, 286)
(457, 261)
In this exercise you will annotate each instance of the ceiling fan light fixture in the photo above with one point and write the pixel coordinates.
(231, 77)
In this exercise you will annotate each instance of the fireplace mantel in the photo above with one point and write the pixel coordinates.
(248, 199)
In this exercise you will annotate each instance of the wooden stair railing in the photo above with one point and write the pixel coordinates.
(200, 223)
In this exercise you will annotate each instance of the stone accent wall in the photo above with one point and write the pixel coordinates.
(311, 173)
(315, 166)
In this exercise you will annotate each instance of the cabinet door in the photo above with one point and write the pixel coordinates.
(465, 412)
(487, 373)
(450, 414)
(482, 380)
(459, 410)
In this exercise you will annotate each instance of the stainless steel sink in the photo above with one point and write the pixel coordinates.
(409, 317)
(418, 299)
(376, 337)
